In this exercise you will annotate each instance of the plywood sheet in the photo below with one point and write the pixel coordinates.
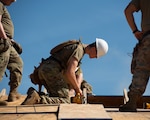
(28, 109)
(82, 111)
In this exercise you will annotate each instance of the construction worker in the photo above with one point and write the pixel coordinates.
(140, 66)
(58, 71)
(9, 55)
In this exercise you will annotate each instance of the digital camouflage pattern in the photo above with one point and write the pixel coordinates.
(49, 74)
(11, 60)
(4, 45)
(140, 66)
(45, 99)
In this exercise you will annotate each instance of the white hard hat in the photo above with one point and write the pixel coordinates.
(101, 46)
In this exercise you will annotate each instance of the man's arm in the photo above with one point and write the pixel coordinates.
(2, 32)
(70, 74)
(129, 10)
(79, 76)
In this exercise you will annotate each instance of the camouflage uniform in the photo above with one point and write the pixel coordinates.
(51, 72)
(140, 67)
(10, 59)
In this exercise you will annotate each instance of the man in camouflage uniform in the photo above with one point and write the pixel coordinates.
(140, 66)
(9, 57)
(61, 72)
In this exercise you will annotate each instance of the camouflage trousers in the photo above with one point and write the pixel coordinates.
(45, 99)
(53, 80)
(11, 60)
(140, 67)
(51, 74)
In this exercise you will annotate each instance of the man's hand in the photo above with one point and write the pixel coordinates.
(138, 35)
(78, 90)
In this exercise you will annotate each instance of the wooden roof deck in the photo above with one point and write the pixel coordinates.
(15, 111)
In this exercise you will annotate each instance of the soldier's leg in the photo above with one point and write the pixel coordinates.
(45, 99)
(33, 97)
(15, 67)
(4, 56)
(136, 90)
(57, 97)
(4, 59)
(56, 87)
(140, 76)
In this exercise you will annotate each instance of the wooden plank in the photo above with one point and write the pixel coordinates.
(43, 112)
(30, 112)
(30, 109)
(115, 101)
(50, 116)
(142, 114)
(82, 112)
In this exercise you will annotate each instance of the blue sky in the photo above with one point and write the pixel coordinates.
(42, 24)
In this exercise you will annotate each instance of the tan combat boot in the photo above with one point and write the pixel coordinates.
(13, 95)
(32, 97)
(130, 106)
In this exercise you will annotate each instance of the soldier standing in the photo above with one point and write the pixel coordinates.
(9, 54)
(140, 66)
